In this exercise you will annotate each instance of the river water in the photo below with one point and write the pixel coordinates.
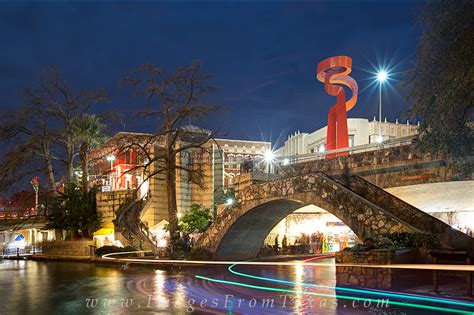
(29, 287)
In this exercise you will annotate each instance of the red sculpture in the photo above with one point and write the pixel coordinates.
(331, 71)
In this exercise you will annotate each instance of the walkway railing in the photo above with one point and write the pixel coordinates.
(292, 159)
(20, 252)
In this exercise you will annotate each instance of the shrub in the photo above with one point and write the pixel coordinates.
(197, 219)
(397, 240)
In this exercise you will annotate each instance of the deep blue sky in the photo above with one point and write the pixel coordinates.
(263, 55)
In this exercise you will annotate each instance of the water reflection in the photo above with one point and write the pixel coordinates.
(72, 288)
(161, 297)
(298, 287)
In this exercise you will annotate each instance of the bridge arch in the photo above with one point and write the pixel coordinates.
(238, 232)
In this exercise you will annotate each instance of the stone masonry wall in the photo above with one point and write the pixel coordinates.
(362, 217)
(395, 156)
(377, 278)
(389, 167)
(107, 205)
(67, 248)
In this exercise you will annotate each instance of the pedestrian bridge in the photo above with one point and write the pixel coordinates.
(239, 231)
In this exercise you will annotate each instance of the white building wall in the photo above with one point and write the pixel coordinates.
(360, 132)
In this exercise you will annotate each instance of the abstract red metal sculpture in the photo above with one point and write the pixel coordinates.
(331, 71)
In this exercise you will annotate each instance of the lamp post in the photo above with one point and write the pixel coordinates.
(35, 184)
(269, 156)
(382, 76)
(111, 159)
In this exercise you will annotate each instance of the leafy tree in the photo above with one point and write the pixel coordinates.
(197, 219)
(73, 210)
(442, 80)
(87, 130)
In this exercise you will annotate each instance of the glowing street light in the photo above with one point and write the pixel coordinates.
(269, 156)
(110, 158)
(379, 139)
(229, 201)
(322, 149)
(286, 162)
(382, 76)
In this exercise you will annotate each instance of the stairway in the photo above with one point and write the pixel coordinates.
(409, 214)
(129, 225)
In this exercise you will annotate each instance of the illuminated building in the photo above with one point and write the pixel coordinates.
(361, 131)
(117, 167)
(237, 151)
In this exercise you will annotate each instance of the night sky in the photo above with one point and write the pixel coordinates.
(263, 55)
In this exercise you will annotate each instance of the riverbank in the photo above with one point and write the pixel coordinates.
(153, 262)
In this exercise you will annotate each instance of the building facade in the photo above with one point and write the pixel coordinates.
(235, 152)
(361, 132)
(117, 168)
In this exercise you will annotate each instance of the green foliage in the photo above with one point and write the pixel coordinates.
(88, 129)
(197, 219)
(397, 240)
(442, 80)
(113, 249)
(74, 209)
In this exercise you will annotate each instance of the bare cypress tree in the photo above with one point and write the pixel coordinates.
(174, 100)
(38, 134)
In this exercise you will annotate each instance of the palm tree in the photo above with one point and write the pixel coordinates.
(87, 130)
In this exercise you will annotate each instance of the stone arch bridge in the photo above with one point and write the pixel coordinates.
(239, 231)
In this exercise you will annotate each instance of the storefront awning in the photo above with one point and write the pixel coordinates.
(104, 231)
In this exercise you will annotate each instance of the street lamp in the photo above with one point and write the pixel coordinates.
(379, 139)
(382, 76)
(269, 157)
(286, 162)
(230, 201)
(322, 149)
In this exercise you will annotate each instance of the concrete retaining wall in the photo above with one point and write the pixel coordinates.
(67, 248)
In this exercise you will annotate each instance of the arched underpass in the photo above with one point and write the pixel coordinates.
(239, 232)
(246, 236)
(243, 241)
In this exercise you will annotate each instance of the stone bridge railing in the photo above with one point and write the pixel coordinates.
(387, 167)
(410, 214)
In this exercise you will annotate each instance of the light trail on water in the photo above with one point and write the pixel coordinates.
(307, 263)
(367, 292)
(345, 297)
